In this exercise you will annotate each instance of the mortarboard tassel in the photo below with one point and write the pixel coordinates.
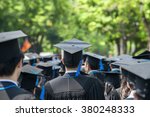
(42, 93)
(78, 70)
(101, 65)
(37, 82)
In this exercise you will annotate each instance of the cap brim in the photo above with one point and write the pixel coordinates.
(72, 46)
(7, 36)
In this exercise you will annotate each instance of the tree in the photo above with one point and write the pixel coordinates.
(111, 26)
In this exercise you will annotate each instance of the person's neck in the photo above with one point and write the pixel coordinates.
(71, 69)
(12, 77)
(89, 69)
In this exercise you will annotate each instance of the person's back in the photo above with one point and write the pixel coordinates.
(69, 87)
(93, 66)
(13, 93)
(110, 92)
(72, 85)
(97, 74)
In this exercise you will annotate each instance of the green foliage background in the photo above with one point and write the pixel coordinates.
(111, 26)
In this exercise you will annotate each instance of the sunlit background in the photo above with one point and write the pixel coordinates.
(112, 27)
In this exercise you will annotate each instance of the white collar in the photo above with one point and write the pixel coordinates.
(71, 71)
(6, 80)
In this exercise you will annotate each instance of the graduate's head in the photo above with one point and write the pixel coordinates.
(8, 68)
(91, 64)
(139, 77)
(71, 60)
(11, 56)
(72, 52)
(92, 61)
(32, 58)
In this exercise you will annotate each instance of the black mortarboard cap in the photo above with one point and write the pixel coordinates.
(113, 77)
(94, 59)
(129, 62)
(72, 51)
(9, 46)
(141, 74)
(32, 58)
(51, 69)
(46, 56)
(47, 68)
(45, 64)
(143, 55)
(108, 61)
(97, 56)
(72, 46)
(29, 76)
(31, 70)
(119, 58)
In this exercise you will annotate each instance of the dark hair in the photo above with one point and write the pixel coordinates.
(92, 66)
(8, 68)
(72, 60)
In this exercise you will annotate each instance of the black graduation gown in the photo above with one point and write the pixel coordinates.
(69, 87)
(110, 92)
(98, 74)
(12, 92)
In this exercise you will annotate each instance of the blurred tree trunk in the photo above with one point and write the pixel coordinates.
(123, 39)
(130, 48)
(121, 46)
(36, 44)
(146, 24)
(118, 46)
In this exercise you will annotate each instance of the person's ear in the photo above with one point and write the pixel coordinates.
(19, 65)
(88, 67)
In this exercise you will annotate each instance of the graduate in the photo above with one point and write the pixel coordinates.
(73, 85)
(47, 69)
(94, 66)
(112, 82)
(109, 61)
(32, 58)
(30, 77)
(45, 56)
(10, 67)
(138, 76)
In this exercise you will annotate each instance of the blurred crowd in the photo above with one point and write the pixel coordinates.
(73, 74)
